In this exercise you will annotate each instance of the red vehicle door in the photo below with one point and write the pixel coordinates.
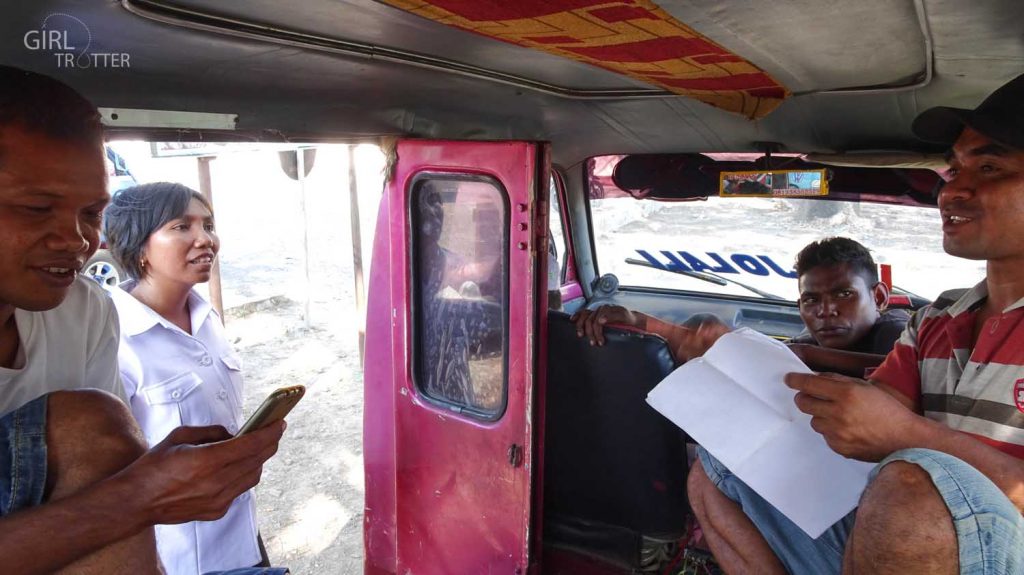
(451, 358)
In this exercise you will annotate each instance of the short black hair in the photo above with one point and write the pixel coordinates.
(41, 105)
(135, 213)
(834, 252)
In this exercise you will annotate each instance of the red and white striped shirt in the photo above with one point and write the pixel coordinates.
(978, 391)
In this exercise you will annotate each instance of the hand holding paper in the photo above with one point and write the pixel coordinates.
(857, 419)
(734, 403)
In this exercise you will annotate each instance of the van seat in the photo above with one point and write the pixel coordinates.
(614, 468)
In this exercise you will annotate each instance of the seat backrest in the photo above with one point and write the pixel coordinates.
(609, 457)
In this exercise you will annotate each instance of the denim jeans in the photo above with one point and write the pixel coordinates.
(989, 528)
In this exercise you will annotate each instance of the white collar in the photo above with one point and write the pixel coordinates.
(137, 317)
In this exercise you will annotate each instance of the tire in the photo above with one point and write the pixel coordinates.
(102, 268)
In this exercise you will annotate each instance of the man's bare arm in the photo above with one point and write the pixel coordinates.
(820, 358)
(46, 538)
(684, 342)
(870, 421)
(184, 478)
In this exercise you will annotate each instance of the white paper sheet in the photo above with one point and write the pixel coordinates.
(733, 401)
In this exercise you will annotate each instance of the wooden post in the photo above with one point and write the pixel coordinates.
(357, 251)
(206, 188)
(300, 164)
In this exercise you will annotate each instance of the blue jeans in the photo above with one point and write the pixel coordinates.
(23, 457)
(252, 571)
(989, 528)
(23, 468)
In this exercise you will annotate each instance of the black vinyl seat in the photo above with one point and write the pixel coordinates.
(614, 468)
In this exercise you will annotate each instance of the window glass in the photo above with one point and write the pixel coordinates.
(556, 249)
(747, 245)
(460, 260)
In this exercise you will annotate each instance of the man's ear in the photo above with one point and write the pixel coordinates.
(880, 292)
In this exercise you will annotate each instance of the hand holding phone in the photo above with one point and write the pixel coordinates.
(274, 408)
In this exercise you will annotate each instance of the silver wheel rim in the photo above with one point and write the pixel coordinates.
(103, 272)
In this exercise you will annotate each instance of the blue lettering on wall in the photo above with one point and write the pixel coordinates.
(723, 266)
(695, 263)
(775, 268)
(651, 259)
(750, 265)
(760, 265)
(673, 262)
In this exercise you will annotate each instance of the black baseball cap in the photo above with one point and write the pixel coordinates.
(1000, 117)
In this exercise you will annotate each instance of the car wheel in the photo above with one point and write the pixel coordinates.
(102, 268)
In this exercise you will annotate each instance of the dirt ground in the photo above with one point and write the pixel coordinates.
(310, 500)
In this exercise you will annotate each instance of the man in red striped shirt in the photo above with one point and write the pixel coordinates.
(943, 415)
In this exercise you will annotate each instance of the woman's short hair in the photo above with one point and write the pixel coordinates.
(135, 213)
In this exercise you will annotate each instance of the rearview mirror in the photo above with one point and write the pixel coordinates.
(788, 183)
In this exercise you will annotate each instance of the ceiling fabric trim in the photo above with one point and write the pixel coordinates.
(635, 38)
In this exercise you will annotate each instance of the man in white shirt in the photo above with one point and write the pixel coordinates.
(63, 355)
(79, 492)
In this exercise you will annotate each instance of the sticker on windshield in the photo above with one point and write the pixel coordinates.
(711, 266)
(713, 262)
(773, 183)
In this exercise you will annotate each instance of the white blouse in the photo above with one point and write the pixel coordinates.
(173, 378)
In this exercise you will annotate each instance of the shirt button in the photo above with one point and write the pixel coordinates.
(205, 361)
(175, 394)
(222, 394)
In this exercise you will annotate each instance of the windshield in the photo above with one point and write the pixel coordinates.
(753, 241)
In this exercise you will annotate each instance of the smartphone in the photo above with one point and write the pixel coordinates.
(274, 408)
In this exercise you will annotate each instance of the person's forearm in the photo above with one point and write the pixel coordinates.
(45, 538)
(840, 361)
(670, 332)
(651, 324)
(1006, 471)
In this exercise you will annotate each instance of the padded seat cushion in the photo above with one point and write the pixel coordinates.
(609, 457)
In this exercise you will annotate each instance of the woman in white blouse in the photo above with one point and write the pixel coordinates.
(176, 365)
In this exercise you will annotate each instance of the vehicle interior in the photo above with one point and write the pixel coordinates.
(645, 106)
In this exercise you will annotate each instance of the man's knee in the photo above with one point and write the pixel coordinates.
(91, 435)
(903, 520)
(902, 484)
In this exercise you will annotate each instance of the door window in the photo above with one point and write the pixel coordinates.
(460, 263)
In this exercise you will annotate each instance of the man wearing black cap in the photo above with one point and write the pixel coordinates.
(943, 415)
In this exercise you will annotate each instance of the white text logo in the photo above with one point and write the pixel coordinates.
(68, 39)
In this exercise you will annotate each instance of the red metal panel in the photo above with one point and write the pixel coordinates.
(379, 535)
(458, 504)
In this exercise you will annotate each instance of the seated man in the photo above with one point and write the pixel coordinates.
(941, 415)
(79, 493)
(842, 304)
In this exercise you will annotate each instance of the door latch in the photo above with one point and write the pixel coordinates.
(515, 455)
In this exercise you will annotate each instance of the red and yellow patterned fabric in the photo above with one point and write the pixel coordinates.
(631, 37)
